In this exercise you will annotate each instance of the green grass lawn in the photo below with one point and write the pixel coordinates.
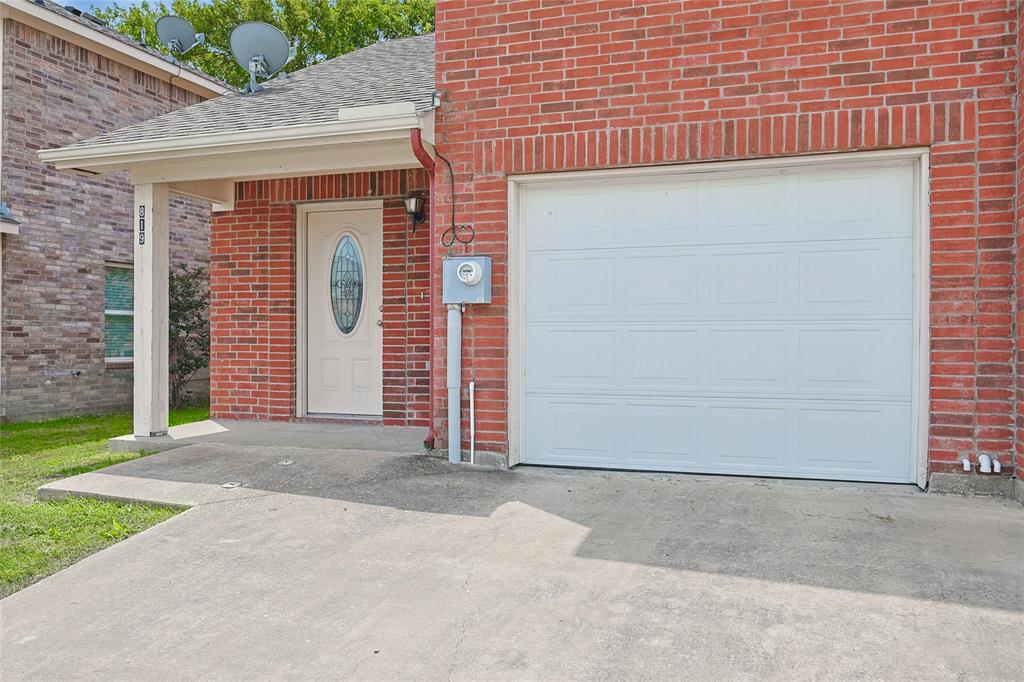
(39, 538)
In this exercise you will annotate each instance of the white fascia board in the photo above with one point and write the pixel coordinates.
(427, 126)
(8, 227)
(31, 14)
(360, 124)
(348, 156)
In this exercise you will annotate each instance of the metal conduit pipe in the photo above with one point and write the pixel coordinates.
(454, 383)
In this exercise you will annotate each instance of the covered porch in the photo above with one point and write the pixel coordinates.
(292, 172)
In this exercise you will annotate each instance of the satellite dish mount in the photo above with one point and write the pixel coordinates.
(261, 49)
(177, 35)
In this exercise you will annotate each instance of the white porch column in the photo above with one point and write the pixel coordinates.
(151, 309)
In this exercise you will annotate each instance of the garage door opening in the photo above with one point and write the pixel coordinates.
(753, 320)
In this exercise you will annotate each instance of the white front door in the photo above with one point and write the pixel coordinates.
(344, 370)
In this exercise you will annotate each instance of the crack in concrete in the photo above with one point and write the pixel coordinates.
(471, 568)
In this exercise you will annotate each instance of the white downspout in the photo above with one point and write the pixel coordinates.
(454, 383)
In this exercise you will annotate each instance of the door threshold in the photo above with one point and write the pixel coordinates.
(317, 417)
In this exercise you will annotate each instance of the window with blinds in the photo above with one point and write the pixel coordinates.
(119, 302)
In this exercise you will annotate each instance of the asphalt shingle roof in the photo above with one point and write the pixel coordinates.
(393, 71)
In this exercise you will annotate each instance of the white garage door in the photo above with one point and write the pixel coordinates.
(739, 323)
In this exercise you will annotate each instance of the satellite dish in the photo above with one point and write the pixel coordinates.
(177, 35)
(260, 49)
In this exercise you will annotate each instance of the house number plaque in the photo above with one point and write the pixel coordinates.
(142, 224)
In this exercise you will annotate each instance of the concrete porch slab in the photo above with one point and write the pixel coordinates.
(315, 435)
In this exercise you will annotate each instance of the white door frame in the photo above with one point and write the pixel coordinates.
(921, 272)
(302, 212)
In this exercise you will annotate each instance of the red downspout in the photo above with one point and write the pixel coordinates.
(427, 161)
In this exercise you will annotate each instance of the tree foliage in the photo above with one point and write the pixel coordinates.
(189, 326)
(319, 29)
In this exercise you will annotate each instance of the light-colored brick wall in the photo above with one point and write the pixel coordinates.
(252, 313)
(548, 85)
(54, 93)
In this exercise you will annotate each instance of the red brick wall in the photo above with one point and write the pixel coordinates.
(1019, 261)
(252, 316)
(535, 85)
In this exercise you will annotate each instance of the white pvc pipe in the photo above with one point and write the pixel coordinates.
(996, 466)
(454, 383)
(984, 464)
(472, 421)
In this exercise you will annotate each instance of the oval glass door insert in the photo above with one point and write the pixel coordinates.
(347, 284)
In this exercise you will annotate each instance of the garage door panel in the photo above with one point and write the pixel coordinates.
(659, 213)
(573, 432)
(660, 435)
(794, 360)
(856, 279)
(747, 360)
(659, 285)
(747, 280)
(745, 209)
(835, 199)
(659, 359)
(855, 361)
(740, 437)
(791, 438)
(582, 217)
(854, 202)
(575, 358)
(750, 324)
(854, 441)
(571, 286)
(849, 279)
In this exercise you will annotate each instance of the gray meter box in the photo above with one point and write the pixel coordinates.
(466, 279)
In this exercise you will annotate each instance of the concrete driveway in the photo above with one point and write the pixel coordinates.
(341, 564)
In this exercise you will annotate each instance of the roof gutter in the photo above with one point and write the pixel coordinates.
(40, 18)
(354, 124)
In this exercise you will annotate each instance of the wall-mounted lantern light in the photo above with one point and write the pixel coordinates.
(414, 208)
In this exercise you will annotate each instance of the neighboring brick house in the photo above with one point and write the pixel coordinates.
(65, 349)
(772, 238)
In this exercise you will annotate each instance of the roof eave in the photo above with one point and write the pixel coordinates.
(41, 18)
(353, 124)
(206, 167)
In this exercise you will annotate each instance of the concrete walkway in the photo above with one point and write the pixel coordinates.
(344, 564)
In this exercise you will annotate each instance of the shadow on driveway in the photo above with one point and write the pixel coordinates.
(889, 540)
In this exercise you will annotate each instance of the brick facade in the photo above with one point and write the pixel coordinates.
(54, 93)
(533, 85)
(1019, 259)
(252, 316)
